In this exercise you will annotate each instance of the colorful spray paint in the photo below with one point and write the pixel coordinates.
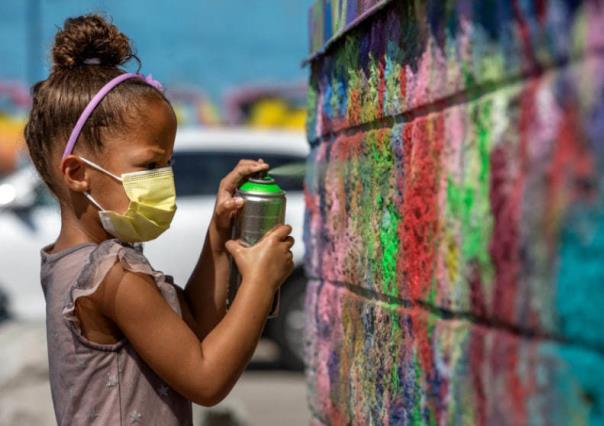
(455, 212)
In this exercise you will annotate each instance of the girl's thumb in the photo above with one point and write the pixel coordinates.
(233, 247)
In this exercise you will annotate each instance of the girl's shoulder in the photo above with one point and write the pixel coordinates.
(109, 256)
(92, 254)
(116, 250)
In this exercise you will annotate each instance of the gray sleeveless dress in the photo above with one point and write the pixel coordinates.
(101, 384)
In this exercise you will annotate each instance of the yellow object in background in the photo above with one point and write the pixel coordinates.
(276, 113)
(11, 141)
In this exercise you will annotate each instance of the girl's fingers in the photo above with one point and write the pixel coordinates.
(229, 205)
(247, 168)
(243, 169)
(289, 242)
(244, 166)
(235, 202)
(280, 232)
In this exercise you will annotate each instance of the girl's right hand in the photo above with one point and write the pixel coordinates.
(269, 260)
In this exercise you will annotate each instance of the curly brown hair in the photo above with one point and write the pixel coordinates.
(87, 53)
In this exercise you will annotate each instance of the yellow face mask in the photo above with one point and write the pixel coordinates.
(152, 196)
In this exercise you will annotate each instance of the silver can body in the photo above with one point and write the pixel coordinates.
(260, 213)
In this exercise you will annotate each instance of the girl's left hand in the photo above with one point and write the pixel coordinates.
(226, 204)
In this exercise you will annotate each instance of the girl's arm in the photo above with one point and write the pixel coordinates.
(207, 288)
(204, 372)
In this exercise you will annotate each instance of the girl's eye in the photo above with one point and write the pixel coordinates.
(155, 164)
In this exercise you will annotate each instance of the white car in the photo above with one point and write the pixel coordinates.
(29, 219)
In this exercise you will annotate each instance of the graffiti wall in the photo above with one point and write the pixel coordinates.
(455, 212)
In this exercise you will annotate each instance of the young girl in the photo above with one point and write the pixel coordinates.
(124, 344)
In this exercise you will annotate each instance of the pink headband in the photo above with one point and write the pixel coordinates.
(97, 99)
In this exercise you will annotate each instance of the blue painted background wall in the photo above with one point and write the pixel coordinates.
(213, 44)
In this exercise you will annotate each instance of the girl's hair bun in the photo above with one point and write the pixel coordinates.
(89, 39)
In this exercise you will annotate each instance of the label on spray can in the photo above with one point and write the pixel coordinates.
(264, 208)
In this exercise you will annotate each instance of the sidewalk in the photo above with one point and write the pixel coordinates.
(260, 397)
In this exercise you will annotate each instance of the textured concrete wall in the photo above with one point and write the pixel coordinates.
(455, 212)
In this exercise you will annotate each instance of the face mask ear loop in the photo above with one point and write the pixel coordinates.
(100, 169)
(93, 201)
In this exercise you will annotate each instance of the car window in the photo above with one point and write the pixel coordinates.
(200, 173)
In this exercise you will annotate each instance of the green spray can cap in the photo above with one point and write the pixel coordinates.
(261, 183)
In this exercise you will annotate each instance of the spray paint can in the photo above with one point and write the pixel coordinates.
(264, 208)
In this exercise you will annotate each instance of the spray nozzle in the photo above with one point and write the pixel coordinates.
(285, 171)
(261, 174)
(261, 177)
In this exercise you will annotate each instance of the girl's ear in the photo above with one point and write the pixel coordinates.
(75, 173)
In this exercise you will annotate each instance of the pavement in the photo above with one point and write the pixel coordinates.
(263, 396)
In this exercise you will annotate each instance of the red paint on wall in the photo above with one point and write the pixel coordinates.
(381, 88)
(476, 357)
(420, 207)
(402, 76)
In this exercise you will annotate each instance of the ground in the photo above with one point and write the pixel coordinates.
(263, 396)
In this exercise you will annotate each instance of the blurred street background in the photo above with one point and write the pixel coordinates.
(232, 69)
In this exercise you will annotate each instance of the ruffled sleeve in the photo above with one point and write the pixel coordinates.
(98, 265)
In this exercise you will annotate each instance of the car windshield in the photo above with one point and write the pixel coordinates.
(199, 173)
